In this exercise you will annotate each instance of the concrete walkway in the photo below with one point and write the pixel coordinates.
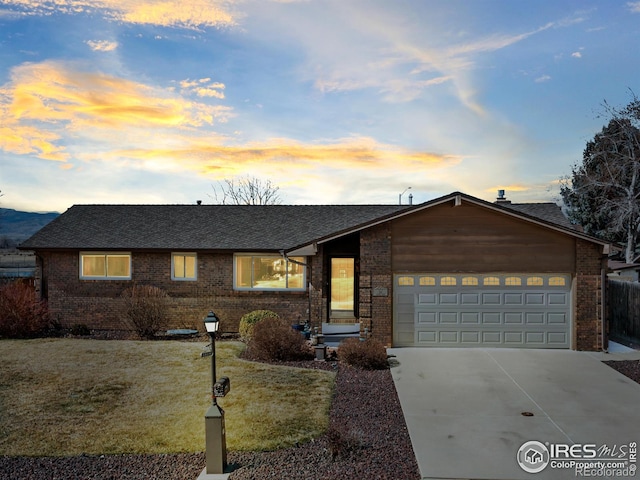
(464, 407)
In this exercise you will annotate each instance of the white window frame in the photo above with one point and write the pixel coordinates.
(259, 289)
(173, 269)
(106, 255)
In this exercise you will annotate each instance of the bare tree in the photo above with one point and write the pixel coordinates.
(603, 192)
(246, 191)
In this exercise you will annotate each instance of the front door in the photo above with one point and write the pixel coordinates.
(342, 288)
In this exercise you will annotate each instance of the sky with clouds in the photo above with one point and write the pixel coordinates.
(334, 101)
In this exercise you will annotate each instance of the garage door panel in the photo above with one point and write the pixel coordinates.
(534, 298)
(497, 312)
(448, 299)
(513, 299)
(514, 338)
(448, 317)
(448, 336)
(557, 338)
(511, 318)
(405, 338)
(557, 318)
(534, 318)
(470, 299)
(533, 338)
(470, 337)
(492, 338)
(558, 299)
(427, 337)
(405, 319)
(491, 318)
(427, 318)
(491, 299)
(405, 299)
(427, 299)
(470, 318)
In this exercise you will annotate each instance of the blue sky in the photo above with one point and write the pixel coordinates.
(345, 101)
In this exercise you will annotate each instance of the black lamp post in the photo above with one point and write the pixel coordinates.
(212, 323)
(216, 445)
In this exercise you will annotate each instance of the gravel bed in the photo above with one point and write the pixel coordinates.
(630, 368)
(367, 439)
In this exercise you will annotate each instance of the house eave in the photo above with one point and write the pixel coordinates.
(304, 251)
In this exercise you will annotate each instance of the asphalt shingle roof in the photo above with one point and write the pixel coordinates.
(544, 211)
(229, 227)
(201, 227)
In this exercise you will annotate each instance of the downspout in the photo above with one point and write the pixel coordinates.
(603, 298)
(603, 309)
(309, 284)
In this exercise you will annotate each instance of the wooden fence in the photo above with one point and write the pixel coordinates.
(624, 311)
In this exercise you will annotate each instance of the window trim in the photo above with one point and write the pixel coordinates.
(193, 255)
(268, 289)
(106, 255)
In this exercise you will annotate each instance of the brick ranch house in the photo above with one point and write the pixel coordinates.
(454, 271)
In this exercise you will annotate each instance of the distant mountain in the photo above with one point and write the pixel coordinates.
(17, 226)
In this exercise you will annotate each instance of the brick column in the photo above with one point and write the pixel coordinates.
(588, 301)
(376, 283)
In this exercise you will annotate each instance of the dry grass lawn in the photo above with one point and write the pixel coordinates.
(71, 396)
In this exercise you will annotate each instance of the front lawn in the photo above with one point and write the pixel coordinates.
(63, 397)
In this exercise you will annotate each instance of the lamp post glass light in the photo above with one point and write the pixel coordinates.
(212, 323)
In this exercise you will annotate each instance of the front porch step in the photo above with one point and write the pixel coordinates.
(334, 333)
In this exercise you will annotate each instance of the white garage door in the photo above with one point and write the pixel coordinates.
(494, 310)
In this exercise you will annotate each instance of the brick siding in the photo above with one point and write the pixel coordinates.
(588, 301)
(98, 304)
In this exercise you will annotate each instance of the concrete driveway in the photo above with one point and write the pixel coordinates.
(464, 408)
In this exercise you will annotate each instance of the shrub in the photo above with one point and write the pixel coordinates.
(21, 313)
(248, 321)
(146, 309)
(344, 443)
(80, 329)
(274, 339)
(370, 354)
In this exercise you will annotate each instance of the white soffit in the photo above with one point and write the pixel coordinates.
(306, 251)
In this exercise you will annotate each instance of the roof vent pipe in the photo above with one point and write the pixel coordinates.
(199, 202)
(502, 200)
(411, 199)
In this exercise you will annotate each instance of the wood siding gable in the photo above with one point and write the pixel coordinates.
(472, 238)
